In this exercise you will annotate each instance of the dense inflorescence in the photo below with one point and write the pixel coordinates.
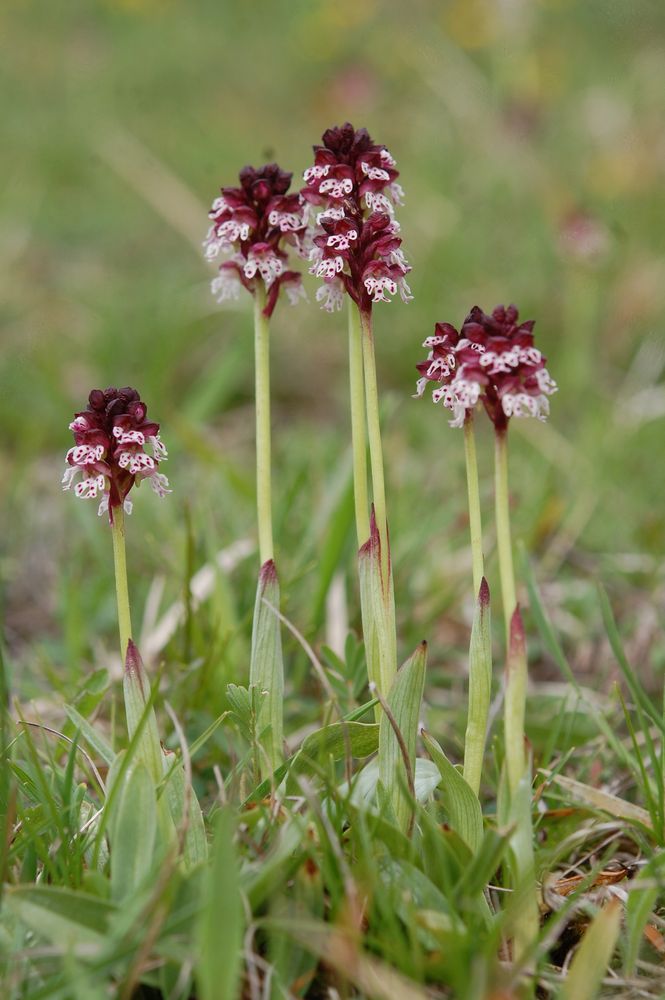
(111, 435)
(256, 224)
(356, 244)
(492, 360)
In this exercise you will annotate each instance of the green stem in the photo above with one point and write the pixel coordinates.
(504, 545)
(473, 492)
(374, 438)
(121, 588)
(262, 404)
(358, 431)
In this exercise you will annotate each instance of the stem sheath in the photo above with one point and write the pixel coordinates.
(262, 405)
(121, 588)
(358, 431)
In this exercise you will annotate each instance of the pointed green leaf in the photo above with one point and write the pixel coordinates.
(461, 803)
(196, 845)
(593, 956)
(404, 702)
(92, 737)
(359, 739)
(377, 606)
(73, 921)
(220, 924)
(480, 689)
(132, 831)
(141, 714)
(266, 672)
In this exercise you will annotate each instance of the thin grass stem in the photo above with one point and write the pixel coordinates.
(504, 544)
(358, 428)
(121, 587)
(473, 492)
(374, 438)
(262, 405)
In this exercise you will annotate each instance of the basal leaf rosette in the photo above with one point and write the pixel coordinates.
(356, 243)
(254, 226)
(111, 437)
(491, 360)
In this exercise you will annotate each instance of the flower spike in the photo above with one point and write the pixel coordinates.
(111, 436)
(492, 359)
(356, 244)
(254, 225)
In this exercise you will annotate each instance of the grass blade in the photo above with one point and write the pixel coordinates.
(220, 926)
(404, 704)
(266, 672)
(593, 955)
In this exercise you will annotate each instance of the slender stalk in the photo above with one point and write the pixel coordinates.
(473, 492)
(374, 438)
(517, 768)
(504, 545)
(262, 404)
(358, 431)
(121, 588)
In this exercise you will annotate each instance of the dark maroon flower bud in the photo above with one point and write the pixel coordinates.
(109, 453)
(255, 224)
(356, 246)
(492, 360)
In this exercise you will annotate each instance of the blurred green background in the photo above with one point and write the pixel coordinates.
(531, 144)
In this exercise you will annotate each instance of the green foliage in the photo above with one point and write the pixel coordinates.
(266, 673)
(397, 740)
(220, 922)
(123, 118)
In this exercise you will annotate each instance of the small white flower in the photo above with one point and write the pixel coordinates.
(226, 285)
(294, 291)
(160, 484)
(521, 404)
(158, 448)
(342, 241)
(377, 287)
(377, 202)
(546, 383)
(70, 474)
(374, 173)
(288, 222)
(266, 262)
(328, 268)
(332, 214)
(421, 385)
(88, 488)
(404, 290)
(128, 437)
(315, 173)
(336, 188)
(331, 296)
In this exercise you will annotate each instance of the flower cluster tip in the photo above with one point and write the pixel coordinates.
(109, 454)
(254, 225)
(491, 359)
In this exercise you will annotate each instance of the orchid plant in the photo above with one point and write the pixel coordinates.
(357, 253)
(493, 361)
(253, 228)
(343, 221)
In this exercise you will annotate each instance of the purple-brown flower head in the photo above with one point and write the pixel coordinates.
(356, 243)
(492, 360)
(111, 435)
(255, 224)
